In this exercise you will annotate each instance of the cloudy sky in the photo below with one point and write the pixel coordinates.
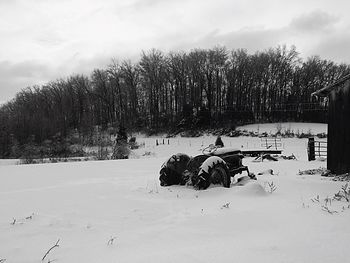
(42, 40)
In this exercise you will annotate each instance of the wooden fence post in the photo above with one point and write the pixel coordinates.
(276, 142)
(311, 149)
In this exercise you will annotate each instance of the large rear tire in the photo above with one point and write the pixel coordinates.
(213, 170)
(219, 175)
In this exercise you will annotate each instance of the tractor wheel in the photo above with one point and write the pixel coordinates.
(219, 175)
(213, 170)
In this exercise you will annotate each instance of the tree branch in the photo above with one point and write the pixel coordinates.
(56, 245)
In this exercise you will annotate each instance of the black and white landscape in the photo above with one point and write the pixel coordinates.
(96, 95)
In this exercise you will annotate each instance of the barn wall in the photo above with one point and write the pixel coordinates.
(338, 160)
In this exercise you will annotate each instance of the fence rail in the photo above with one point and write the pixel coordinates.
(271, 142)
(316, 149)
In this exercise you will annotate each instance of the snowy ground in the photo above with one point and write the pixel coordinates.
(115, 211)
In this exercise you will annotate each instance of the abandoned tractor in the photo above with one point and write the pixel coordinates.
(214, 166)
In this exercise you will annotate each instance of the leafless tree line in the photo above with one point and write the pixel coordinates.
(199, 88)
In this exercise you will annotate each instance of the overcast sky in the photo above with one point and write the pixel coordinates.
(42, 40)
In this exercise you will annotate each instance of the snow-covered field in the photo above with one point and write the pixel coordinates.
(115, 211)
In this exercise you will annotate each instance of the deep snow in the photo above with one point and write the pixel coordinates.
(89, 205)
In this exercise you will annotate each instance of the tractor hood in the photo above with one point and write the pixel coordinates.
(225, 151)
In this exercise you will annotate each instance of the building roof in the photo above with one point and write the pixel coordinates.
(326, 90)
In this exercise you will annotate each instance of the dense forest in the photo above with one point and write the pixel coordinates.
(201, 88)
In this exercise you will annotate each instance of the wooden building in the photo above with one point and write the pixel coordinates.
(338, 147)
